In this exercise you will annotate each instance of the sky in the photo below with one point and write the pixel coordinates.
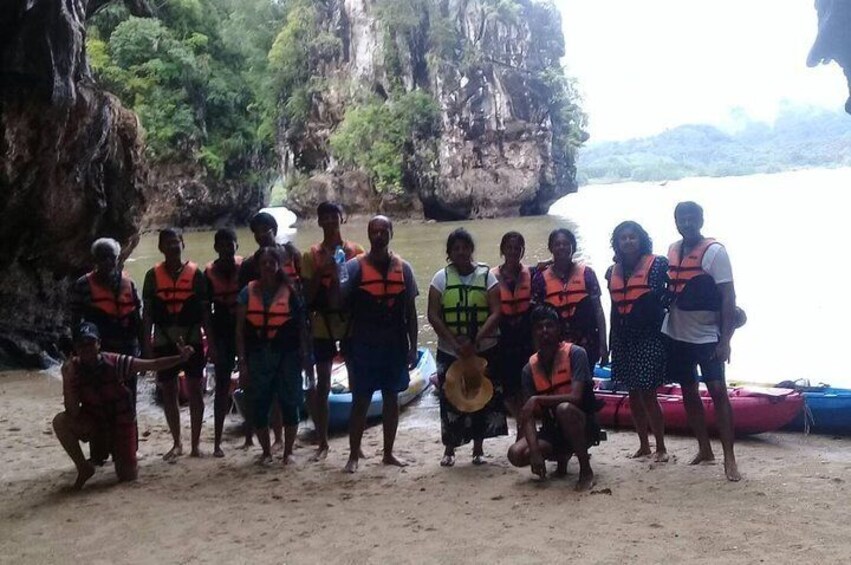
(648, 65)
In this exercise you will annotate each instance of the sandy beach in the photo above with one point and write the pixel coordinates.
(793, 506)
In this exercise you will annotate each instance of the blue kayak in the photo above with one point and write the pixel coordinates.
(340, 399)
(827, 411)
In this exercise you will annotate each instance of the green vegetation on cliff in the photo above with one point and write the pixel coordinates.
(800, 137)
(195, 75)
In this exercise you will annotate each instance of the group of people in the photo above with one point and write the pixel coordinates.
(280, 314)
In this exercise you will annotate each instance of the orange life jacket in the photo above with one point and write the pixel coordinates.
(561, 381)
(626, 293)
(173, 294)
(318, 253)
(383, 289)
(516, 302)
(267, 321)
(693, 288)
(116, 306)
(225, 288)
(565, 297)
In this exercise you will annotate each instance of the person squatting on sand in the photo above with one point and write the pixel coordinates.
(558, 390)
(330, 324)
(273, 347)
(99, 403)
(638, 286)
(380, 295)
(463, 309)
(699, 326)
(176, 308)
(222, 287)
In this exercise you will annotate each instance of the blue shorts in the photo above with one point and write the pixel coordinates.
(373, 368)
(684, 358)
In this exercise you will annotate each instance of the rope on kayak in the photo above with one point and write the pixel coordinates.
(809, 419)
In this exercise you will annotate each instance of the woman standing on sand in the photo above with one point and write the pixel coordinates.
(273, 347)
(515, 330)
(463, 309)
(637, 283)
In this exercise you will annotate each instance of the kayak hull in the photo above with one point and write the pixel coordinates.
(829, 411)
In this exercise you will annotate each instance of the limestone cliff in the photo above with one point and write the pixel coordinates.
(833, 42)
(508, 121)
(71, 170)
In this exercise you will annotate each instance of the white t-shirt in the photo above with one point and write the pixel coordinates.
(438, 282)
(701, 326)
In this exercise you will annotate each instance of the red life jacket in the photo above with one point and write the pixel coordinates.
(119, 306)
(173, 294)
(516, 302)
(565, 297)
(561, 380)
(318, 253)
(103, 395)
(225, 288)
(626, 293)
(267, 321)
(384, 289)
(693, 288)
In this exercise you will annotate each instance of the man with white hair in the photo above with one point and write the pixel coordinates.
(107, 298)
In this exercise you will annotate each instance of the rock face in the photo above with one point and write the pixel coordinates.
(184, 195)
(833, 42)
(71, 171)
(501, 148)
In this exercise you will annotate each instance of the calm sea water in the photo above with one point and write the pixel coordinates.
(784, 233)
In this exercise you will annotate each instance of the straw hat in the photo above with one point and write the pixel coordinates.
(466, 386)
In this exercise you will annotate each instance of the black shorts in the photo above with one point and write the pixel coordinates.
(324, 350)
(193, 368)
(684, 358)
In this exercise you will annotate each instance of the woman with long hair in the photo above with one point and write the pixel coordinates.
(463, 309)
(637, 283)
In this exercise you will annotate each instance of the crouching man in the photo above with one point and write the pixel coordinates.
(99, 405)
(558, 391)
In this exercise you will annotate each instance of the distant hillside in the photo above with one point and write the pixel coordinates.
(799, 138)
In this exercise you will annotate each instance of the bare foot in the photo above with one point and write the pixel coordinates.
(660, 457)
(196, 453)
(585, 482)
(448, 460)
(173, 454)
(561, 468)
(643, 451)
(217, 452)
(390, 459)
(351, 465)
(264, 459)
(702, 457)
(83, 475)
(321, 453)
(732, 470)
(288, 460)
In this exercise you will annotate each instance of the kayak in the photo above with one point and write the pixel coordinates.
(828, 411)
(755, 409)
(340, 399)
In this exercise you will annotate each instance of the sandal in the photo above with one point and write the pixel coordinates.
(447, 461)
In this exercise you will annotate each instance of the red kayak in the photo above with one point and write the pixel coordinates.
(755, 409)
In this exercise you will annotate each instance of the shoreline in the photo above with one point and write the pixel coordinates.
(792, 505)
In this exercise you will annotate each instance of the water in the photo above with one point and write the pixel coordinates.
(783, 233)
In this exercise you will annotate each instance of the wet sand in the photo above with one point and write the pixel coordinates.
(793, 506)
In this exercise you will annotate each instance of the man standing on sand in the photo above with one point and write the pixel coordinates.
(380, 294)
(176, 309)
(699, 324)
(558, 389)
(329, 324)
(99, 404)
